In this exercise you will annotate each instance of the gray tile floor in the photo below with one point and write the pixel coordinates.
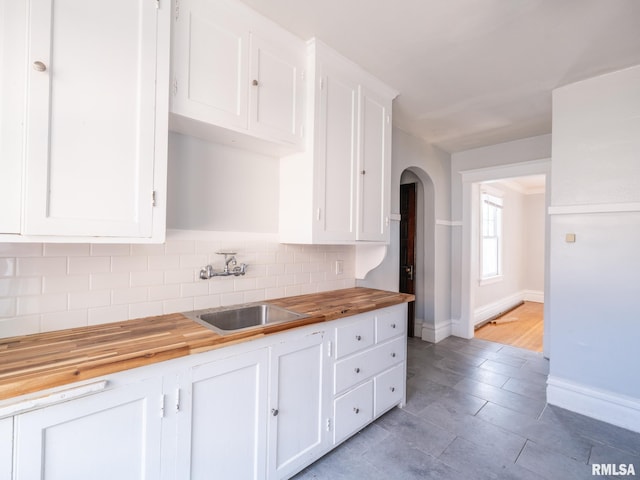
(477, 410)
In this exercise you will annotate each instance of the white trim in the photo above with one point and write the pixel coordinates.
(449, 223)
(435, 334)
(485, 312)
(534, 296)
(595, 208)
(491, 280)
(395, 217)
(610, 407)
(175, 234)
(499, 172)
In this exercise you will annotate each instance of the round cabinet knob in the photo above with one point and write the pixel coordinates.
(357, 370)
(393, 325)
(38, 66)
(356, 410)
(393, 389)
(358, 337)
(393, 354)
(274, 412)
(255, 83)
(363, 172)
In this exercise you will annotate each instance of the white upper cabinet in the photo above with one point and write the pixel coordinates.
(236, 72)
(95, 121)
(338, 191)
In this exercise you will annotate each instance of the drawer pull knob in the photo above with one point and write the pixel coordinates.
(358, 337)
(274, 412)
(357, 410)
(255, 83)
(357, 370)
(393, 325)
(393, 355)
(38, 66)
(393, 389)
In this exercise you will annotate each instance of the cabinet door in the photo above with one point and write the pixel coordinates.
(276, 95)
(12, 80)
(108, 435)
(374, 167)
(210, 61)
(6, 447)
(91, 115)
(225, 434)
(335, 151)
(296, 407)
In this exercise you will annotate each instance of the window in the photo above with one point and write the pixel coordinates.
(491, 236)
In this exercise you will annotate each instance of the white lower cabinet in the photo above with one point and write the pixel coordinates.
(108, 435)
(296, 407)
(222, 431)
(258, 410)
(6, 448)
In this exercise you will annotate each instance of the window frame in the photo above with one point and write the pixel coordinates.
(495, 200)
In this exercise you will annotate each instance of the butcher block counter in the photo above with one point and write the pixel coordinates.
(36, 362)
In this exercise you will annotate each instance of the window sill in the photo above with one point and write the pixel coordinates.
(490, 280)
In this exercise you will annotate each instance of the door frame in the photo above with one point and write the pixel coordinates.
(412, 226)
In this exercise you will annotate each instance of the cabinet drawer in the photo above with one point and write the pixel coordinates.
(352, 411)
(355, 336)
(390, 323)
(389, 388)
(362, 366)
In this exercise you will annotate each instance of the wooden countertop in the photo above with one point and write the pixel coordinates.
(45, 360)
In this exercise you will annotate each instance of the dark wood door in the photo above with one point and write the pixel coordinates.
(407, 247)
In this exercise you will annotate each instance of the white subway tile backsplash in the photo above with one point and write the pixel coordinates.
(21, 249)
(18, 286)
(78, 265)
(7, 267)
(145, 309)
(128, 264)
(110, 250)
(67, 249)
(97, 316)
(61, 320)
(122, 296)
(55, 302)
(102, 281)
(86, 300)
(164, 292)
(194, 289)
(140, 279)
(31, 266)
(184, 275)
(7, 307)
(66, 283)
(177, 305)
(49, 287)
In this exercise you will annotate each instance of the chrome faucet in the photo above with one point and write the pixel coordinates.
(231, 267)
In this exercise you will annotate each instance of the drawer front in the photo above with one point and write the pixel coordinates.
(390, 323)
(389, 389)
(352, 411)
(362, 366)
(355, 336)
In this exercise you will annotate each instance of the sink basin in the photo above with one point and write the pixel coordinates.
(233, 319)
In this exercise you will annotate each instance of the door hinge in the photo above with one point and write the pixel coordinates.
(177, 10)
(321, 84)
(153, 198)
(318, 214)
(329, 348)
(162, 402)
(328, 424)
(177, 400)
(174, 87)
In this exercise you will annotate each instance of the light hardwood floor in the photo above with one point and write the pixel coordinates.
(521, 327)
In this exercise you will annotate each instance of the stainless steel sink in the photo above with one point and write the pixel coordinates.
(227, 320)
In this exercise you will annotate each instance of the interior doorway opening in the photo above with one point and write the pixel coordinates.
(417, 270)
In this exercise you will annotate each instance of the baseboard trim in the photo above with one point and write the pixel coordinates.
(437, 333)
(620, 410)
(490, 310)
(534, 296)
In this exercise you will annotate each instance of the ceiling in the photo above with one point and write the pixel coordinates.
(471, 73)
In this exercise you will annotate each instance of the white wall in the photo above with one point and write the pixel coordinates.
(431, 166)
(534, 214)
(215, 187)
(595, 288)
